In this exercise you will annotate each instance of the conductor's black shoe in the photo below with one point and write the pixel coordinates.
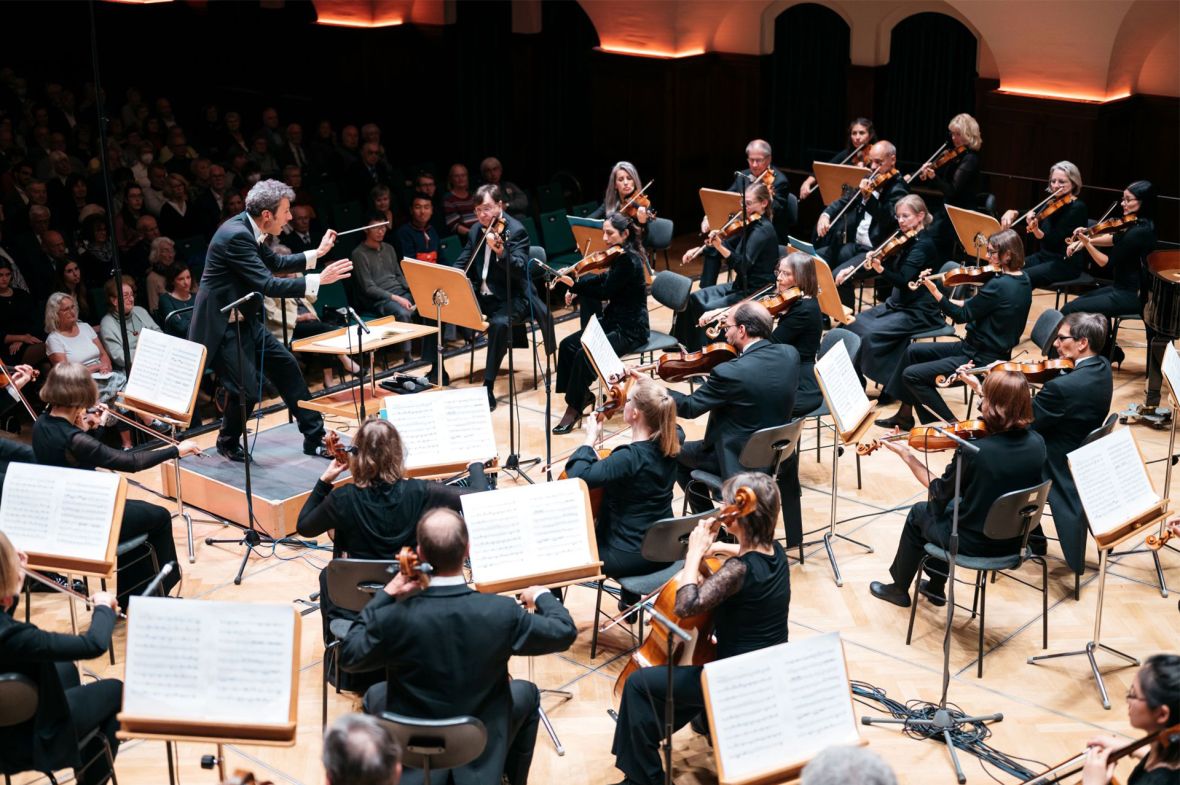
(896, 421)
(936, 598)
(232, 452)
(318, 450)
(890, 592)
(491, 399)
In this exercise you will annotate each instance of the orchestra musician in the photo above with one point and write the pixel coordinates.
(624, 321)
(755, 390)
(66, 709)
(862, 135)
(1048, 265)
(749, 597)
(60, 439)
(1010, 458)
(752, 253)
(637, 478)
(1123, 253)
(872, 214)
(1153, 705)
(1066, 410)
(886, 328)
(957, 179)
(995, 319)
(446, 649)
(758, 156)
(240, 263)
(498, 256)
(622, 187)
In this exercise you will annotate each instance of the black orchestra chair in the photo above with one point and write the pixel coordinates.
(658, 238)
(1012, 516)
(1044, 330)
(436, 745)
(350, 584)
(946, 329)
(668, 288)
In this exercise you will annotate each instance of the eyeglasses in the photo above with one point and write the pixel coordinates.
(729, 327)
(782, 273)
(1063, 337)
(991, 251)
(755, 160)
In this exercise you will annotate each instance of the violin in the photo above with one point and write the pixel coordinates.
(961, 276)
(678, 366)
(593, 264)
(336, 447)
(895, 243)
(1166, 738)
(876, 181)
(1156, 542)
(925, 439)
(1036, 372)
(498, 227)
(409, 565)
(1050, 208)
(631, 207)
(941, 158)
(734, 225)
(1111, 226)
(6, 379)
(859, 156)
(767, 179)
(702, 648)
(777, 304)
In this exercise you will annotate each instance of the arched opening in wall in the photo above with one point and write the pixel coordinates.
(809, 78)
(930, 78)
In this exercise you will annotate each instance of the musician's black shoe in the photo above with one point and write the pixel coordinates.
(318, 450)
(232, 452)
(1038, 545)
(1117, 355)
(936, 598)
(491, 399)
(896, 421)
(563, 428)
(890, 592)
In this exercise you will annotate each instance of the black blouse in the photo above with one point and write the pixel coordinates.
(625, 287)
(904, 266)
(801, 327)
(1127, 254)
(753, 255)
(1158, 776)
(60, 443)
(1059, 226)
(18, 315)
(959, 180)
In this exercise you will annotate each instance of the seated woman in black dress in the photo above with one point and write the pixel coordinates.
(748, 596)
(637, 478)
(66, 709)
(1153, 705)
(1010, 458)
(624, 321)
(60, 439)
(21, 325)
(1049, 265)
(177, 295)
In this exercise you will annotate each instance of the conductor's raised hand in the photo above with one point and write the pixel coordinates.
(336, 271)
(326, 243)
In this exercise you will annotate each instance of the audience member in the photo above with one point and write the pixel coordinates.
(380, 202)
(177, 296)
(291, 152)
(135, 260)
(23, 337)
(136, 317)
(72, 341)
(155, 194)
(417, 238)
(459, 203)
(210, 202)
(162, 256)
(96, 252)
(260, 154)
(233, 140)
(516, 201)
(69, 280)
(177, 155)
(177, 219)
(424, 183)
(366, 173)
(127, 219)
(348, 152)
(300, 236)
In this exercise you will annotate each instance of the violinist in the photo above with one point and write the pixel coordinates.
(749, 597)
(957, 178)
(637, 478)
(801, 326)
(886, 328)
(871, 213)
(759, 171)
(60, 439)
(1122, 253)
(1153, 705)
(752, 253)
(621, 187)
(1009, 459)
(861, 137)
(624, 321)
(1048, 265)
(995, 319)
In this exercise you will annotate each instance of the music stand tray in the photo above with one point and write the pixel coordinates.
(448, 294)
(835, 179)
(587, 234)
(972, 228)
(720, 206)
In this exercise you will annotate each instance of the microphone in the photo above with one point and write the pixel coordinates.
(164, 572)
(239, 301)
(177, 312)
(956, 439)
(347, 311)
(742, 174)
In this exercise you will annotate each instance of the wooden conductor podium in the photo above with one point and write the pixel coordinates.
(836, 179)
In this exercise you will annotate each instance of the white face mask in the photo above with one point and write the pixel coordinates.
(254, 178)
(146, 158)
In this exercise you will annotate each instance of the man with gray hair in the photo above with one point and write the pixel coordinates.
(359, 750)
(847, 766)
(240, 267)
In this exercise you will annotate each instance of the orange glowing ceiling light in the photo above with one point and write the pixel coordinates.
(1076, 96)
(359, 13)
(660, 54)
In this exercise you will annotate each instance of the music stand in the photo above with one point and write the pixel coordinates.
(837, 179)
(450, 293)
(587, 234)
(828, 296)
(972, 229)
(720, 206)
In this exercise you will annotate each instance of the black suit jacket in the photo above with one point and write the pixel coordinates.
(881, 207)
(751, 392)
(447, 652)
(235, 266)
(1065, 411)
(781, 185)
(514, 262)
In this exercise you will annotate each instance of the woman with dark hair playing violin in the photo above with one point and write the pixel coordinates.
(861, 136)
(995, 319)
(624, 321)
(1052, 225)
(1122, 250)
(748, 597)
(1009, 459)
(622, 195)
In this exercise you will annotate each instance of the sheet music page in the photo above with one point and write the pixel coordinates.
(527, 530)
(444, 427)
(166, 371)
(780, 705)
(602, 354)
(1171, 368)
(209, 661)
(59, 512)
(841, 387)
(351, 340)
(1112, 481)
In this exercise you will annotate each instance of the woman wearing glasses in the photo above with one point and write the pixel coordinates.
(1153, 705)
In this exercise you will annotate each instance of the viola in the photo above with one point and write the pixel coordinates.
(1066, 769)
(1050, 208)
(6, 379)
(1036, 372)
(926, 439)
(777, 304)
(702, 648)
(678, 366)
(734, 225)
(592, 264)
(409, 565)
(961, 276)
(616, 399)
(876, 181)
(335, 446)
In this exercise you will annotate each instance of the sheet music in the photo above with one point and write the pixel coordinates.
(445, 427)
(1171, 368)
(779, 706)
(350, 340)
(527, 530)
(1112, 481)
(841, 388)
(602, 354)
(166, 371)
(217, 662)
(59, 512)
(799, 245)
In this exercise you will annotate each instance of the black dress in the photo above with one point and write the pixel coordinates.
(1049, 264)
(802, 327)
(1158, 776)
(60, 443)
(959, 183)
(1125, 257)
(18, 316)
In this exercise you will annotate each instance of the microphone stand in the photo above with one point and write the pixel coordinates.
(946, 721)
(513, 463)
(362, 328)
(669, 704)
(548, 387)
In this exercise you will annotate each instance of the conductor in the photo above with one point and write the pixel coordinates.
(240, 264)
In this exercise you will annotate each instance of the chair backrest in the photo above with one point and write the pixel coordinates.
(332, 295)
(667, 540)
(986, 203)
(538, 252)
(530, 228)
(550, 197)
(768, 448)
(18, 699)
(555, 229)
(791, 211)
(443, 744)
(584, 209)
(1045, 330)
(659, 233)
(449, 248)
(1102, 430)
(1016, 513)
(832, 337)
(351, 583)
(671, 289)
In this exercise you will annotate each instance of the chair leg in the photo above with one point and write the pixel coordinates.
(597, 613)
(858, 485)
(471, 362)
(914, 605)
(819, 442)
(1077, 587)
(1044, 604)
(982, 619)
(324, 689)
(975, 599)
